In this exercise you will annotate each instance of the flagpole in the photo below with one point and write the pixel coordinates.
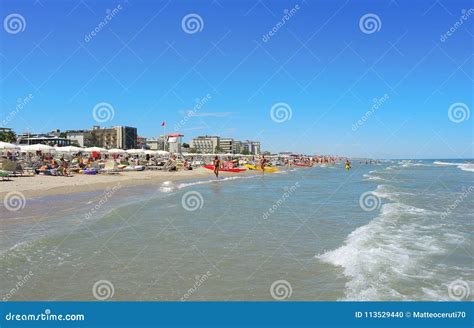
(164, 136)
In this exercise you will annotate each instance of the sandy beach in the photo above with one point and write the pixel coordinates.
(41, 185)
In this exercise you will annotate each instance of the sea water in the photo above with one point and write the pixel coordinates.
(396, 230)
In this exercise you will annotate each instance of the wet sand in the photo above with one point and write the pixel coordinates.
(40, 185)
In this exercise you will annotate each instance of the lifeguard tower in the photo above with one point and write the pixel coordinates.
(174, 142)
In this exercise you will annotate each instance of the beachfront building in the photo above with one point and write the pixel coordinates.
(255, 147)
(226, 145)
(237, 147)
(156, 144)
(82, 138)
(174, 142)
(205, 144)
(251, 147)
(53, 138)
(122, 137)
(142, 142)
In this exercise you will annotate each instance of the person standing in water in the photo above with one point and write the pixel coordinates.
(263, 161)
(217, 164)
(348, 165)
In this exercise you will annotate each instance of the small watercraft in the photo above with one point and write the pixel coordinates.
(268, 169)
(234, 169)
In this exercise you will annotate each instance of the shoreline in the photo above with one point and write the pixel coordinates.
(40, 185)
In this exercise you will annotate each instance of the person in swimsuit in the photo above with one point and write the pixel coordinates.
(263, 161)
(348, 165)
(217, 164)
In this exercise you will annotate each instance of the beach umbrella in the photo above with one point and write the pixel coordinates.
(8, 146)
(68, 149)
(36, 147)
(162, 152)
(96, 149)
(134, 151)
(149, 152)
(116, 151)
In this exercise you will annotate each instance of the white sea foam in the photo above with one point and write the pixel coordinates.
(372, 177)
(394, 246)
(469, 167)
(195, 183)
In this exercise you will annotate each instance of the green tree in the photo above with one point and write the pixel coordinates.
(8, 136)
(218, 150)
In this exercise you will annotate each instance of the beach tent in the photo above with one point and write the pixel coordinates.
(8, 146)
(37, 147)
(68, 149)
(116, 151)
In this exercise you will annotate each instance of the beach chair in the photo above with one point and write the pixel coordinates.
(110, 168)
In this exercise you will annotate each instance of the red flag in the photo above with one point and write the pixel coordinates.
(163, 123)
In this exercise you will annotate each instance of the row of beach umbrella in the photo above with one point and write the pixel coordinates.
(74, 149)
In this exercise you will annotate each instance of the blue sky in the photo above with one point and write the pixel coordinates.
(320, 63)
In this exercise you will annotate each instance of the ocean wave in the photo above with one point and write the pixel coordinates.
(469, 167)
(394, 247)
(195, 183)
(372, 177)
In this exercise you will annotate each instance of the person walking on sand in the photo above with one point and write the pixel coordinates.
(217, 164)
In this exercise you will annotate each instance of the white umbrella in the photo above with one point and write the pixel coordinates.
(36, 147)
(162, 152)
(134, 151)
(8, 146)
(96, 149)
(149, 152)
(68, 149)
(116, 151)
